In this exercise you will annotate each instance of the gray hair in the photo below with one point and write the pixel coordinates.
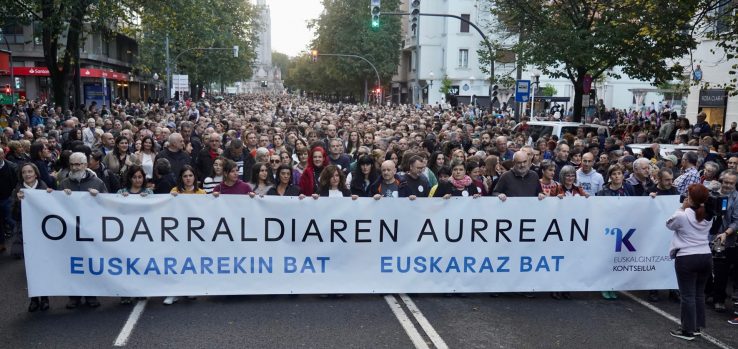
(712, 164)
(641, 161)
(78, 156)
(567, 170)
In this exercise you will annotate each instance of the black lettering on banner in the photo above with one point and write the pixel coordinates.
(105, 221)
(553, 229)
(194, 229)
(224, 231)
(167, 229)
(316, 231)
(501, 231)
(477, 231)
(138, 231)
(266, 230)
(461, 231)
(524, 230)
(428, 224)
(360, 230)
(46, 232)
(337, 231)
(384, 227)
(243, 231)
(575, 224)
(78, 232)
(294, 238)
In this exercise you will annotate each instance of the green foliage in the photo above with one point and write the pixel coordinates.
(573, 38)
(445, 85)
(199, 24)
(64, 25)
(548, 90)
(281, 61)
(344, 27)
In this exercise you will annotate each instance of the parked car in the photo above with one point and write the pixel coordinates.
(664, 149)
(537, 129)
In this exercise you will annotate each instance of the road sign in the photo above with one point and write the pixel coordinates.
(522, 90)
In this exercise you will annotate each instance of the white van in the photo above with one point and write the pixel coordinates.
(536, 129)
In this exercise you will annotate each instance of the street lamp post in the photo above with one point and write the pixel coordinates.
(430, 85)
(536, 81)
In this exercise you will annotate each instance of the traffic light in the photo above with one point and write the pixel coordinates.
(495, 91)
(375, 13)
(6, 90)
(414, 15)
(378, 91)
(314, 54)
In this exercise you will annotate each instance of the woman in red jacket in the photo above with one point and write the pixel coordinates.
(317, 161)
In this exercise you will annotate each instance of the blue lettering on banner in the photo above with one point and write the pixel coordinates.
(172, 266)
(526, 264)
(76, 264)
(440, 264)
(291, 265)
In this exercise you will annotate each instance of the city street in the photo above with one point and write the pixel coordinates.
(354, 321)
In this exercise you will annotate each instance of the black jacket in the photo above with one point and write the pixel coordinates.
(291, 190)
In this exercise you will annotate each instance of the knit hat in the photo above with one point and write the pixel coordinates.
(671, 158)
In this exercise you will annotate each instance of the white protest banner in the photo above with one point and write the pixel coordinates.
(159, 245)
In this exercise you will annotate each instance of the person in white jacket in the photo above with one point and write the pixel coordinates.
(693, 260)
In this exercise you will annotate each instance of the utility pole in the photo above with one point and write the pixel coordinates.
(169, 70)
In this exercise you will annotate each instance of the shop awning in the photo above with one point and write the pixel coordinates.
(85, 73)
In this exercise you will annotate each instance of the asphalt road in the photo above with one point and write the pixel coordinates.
(354, 321)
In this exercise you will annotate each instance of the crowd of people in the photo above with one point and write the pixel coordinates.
(286, 145)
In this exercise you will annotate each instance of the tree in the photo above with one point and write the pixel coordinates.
(199, 24)
(64, 25)
(548, 90)
(344, 27)
(573, 39)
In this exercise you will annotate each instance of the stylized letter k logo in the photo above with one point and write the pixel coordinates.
(624, 240)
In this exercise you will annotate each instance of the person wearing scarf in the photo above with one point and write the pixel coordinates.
(459, 184)
(317, 160)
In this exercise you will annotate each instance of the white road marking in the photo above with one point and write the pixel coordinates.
(127, 329)
(424, 323)
(673, 319)
(406, 323)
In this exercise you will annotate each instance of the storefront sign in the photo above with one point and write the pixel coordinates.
(86, 73)
(713, 98)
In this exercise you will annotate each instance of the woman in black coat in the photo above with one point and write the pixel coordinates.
(28, 180)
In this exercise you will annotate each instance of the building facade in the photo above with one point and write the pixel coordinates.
(265, 77)
(445, 48)
(106, 63)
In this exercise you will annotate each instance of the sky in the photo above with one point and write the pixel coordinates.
(289, 24)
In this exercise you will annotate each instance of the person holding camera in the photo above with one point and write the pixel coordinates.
(693, 260)
(726, 240)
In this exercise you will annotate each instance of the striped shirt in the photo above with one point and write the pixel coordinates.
(210, 183)
(689, 177)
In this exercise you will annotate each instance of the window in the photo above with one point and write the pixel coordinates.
(463, 58)
(12, 33)
(465, 25)
(724, 14)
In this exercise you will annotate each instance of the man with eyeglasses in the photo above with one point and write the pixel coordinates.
(726, 266)
(81, 179)
(207, 156)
